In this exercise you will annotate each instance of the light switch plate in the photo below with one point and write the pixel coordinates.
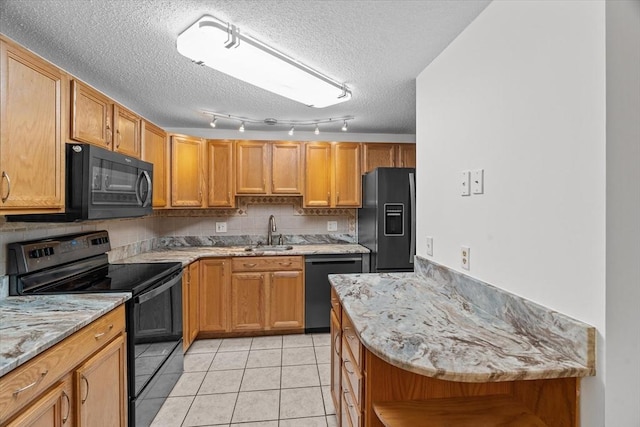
(221, 227)
(477, 181)
(430, 246)
(332, 225)
(464, 184)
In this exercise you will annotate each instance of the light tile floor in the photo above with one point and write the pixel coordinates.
(276, 381)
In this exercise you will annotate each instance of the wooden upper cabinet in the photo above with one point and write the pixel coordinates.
(252, 167)
(126, 134)
(91, 116)
(32, 96)
(186, 171)
(332, 174)
(376, 155)
(406, 155)
(155, 149)
(347, 179)
(317, 183)
(220, 174)
(286, 168)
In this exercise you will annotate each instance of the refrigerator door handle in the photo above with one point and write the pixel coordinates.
(412, 202)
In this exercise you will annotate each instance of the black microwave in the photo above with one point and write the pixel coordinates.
(101, 184)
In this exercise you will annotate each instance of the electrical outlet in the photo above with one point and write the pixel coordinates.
(430, 246)
(465, 256)
(477, 181)
(332, 225)
(464, 184)
(221, 227)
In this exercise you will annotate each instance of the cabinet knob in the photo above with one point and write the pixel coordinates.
(5, 175)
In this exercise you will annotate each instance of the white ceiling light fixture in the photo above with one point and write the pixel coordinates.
(213, 122)
(275, 122)
(221, 46)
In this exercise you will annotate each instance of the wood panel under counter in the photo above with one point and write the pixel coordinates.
(421, 338)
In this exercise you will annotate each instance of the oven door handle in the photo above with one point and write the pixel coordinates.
(157, 291)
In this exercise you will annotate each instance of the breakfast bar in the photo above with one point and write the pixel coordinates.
(436, 333)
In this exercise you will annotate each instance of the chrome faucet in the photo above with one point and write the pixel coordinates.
(270, 229)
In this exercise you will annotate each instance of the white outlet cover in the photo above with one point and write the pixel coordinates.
(221, 227)
(465, 257)
(332, 225)
(465, 189)
(477, 181)
(430, 246)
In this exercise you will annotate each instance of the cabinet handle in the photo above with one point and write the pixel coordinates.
(285, 264)
(346, 392)
(119, 138)
(335, 344)
(229, 197)
(66, 417)
(347, 369)
(86, 381)
(328, 197)
(338, 197)
(98, 336)
(108, 132)
(27, 387)
(250, 265)
(6, 176)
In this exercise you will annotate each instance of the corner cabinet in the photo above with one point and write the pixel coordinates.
(332, 175)
(155, 149)
(33, 96)
(187, 167)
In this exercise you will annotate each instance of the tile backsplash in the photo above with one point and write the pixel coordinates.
(132, 235)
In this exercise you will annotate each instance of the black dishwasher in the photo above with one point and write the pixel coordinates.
(317, 290)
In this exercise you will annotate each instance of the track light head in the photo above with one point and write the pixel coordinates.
(344, 126)
(291, 130)
(317, 131)
(213, 122)
(241, 129)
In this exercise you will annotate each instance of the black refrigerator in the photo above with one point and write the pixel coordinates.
(386, 221)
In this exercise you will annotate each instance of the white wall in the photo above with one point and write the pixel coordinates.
(623, 214)
(521, 94)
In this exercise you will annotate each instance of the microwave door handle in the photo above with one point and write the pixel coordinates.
(137, 189)
(412, 201)
(147, 199)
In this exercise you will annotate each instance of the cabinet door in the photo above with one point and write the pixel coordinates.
(101, 387)
(347, 179)
(127, 132)
(251, 167)
(194, 305)
(32, 93)
(52, 409)
(155, 149)
(248, 301)
(406, 156)
(220, 174)
(186, 309)
(186, 171)
(286, 168)
(378, 155)
(91, 112)
(214, 295)
(286, 300)
(336, 362)
(317, 179)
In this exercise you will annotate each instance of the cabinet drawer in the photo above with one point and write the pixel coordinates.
(352, 378)
(351, 340)
(270, 263)
(21, 385)
(349, 409)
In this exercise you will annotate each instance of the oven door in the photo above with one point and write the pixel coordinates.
(155, 330)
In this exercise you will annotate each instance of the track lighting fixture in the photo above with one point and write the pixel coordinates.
(275, 122)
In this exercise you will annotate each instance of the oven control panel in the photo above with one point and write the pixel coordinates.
(30, 256)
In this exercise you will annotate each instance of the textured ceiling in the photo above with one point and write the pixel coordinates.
(126, 49)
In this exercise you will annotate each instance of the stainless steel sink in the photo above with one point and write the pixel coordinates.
(264, 248)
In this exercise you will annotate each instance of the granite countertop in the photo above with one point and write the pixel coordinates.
(31, 324)
(420, 325)
(187, 255)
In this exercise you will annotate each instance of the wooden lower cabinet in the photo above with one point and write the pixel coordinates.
(359, 379)
(190, 304)
(267, 294)
(101, 388)
(52, 409)
(81, 381)
(214, 290)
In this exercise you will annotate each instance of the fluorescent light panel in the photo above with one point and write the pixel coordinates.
(254, 62)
